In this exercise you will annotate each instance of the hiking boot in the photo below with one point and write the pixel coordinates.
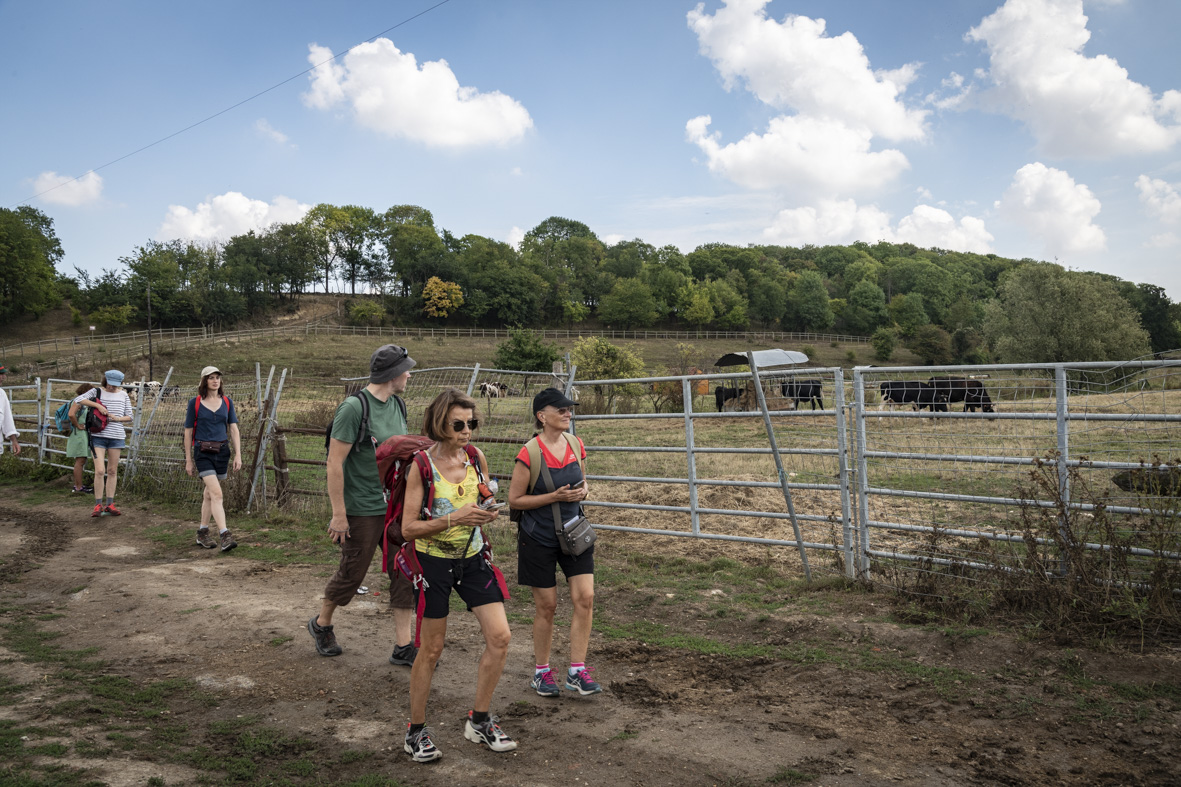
(545, 685)
(98, 510)
(110, 509)
(403, 655)
(488, 733)
(325, 639)
(87, 488)
(420, 747)
(582, 682)
(204, 539)
(227, 541)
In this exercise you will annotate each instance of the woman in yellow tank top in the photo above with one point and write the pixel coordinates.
(457, 540)
(449, 549)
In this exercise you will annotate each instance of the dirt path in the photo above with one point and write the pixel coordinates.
(667, 717)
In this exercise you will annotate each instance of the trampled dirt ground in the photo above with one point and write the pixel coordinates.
(862, 700)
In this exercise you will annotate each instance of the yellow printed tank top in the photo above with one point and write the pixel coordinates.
(449, 498)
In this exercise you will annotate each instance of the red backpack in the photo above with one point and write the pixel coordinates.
(395, 457)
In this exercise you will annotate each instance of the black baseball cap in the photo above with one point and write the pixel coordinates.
(551, 397)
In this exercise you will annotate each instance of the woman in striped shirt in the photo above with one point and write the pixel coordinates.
(110, 442)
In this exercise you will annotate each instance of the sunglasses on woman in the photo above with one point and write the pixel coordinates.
(563, 410)
(473, 424)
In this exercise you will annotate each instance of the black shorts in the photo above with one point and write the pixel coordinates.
(212, 464)
(470, 578)
(536, 562)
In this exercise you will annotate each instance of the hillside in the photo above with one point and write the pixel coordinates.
(336, 355)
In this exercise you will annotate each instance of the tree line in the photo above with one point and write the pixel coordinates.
(947, 306)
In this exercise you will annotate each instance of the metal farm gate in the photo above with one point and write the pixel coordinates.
(938, 486)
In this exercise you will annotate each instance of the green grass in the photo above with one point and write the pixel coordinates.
(790, 776)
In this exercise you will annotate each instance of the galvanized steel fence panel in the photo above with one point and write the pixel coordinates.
(26, 404)
(664, 460)
(942, 486)
(867, 487)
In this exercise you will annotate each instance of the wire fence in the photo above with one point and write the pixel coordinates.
(825, 474)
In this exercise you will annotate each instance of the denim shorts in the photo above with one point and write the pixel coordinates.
(107, 442)
(212, 464)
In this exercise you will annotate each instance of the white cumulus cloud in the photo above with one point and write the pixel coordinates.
(515, 236)
(1073, 104)
(795, 64)
(390, 93)
(844, 221)
(808, 156)
(1160, 199)
(267, 131)
(227, 215)
(1053, 209)
(63, 190)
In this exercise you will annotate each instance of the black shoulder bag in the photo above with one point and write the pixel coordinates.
(574, 536)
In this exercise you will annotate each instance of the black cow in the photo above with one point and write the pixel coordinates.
(723, 394)
(961, 389)
(803, 391)
(913, 392)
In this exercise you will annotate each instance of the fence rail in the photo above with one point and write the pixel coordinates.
(134, 344)
(846, 486)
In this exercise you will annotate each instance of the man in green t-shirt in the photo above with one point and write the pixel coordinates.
(358, 500)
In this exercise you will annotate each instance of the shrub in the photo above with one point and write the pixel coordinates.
(883, 342)
(525, 351)
(599, 359)
(366, 313)
(851, 357)
(810, 351)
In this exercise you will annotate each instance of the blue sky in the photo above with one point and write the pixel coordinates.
(1047, 129)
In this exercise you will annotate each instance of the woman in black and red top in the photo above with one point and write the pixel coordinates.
(538, 553)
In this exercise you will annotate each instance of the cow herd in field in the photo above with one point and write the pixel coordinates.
(935, 394)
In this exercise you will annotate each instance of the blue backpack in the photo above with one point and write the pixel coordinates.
(61, 419)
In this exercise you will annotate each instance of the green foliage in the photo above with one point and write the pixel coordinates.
(599, 359)
(526, 351)
(29, 252)
(808, 307)
(932, 344)
(112, 318)
(366, 313)
(908, 313)
(698, 311)
(630, 304)
(883, 342)
(865, 308)
(1046, 314)
(75, 316)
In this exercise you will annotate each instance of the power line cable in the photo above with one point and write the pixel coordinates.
(229, 108)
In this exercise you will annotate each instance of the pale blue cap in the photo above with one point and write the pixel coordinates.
(114, 377)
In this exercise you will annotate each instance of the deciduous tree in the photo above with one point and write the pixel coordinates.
(1045, 314)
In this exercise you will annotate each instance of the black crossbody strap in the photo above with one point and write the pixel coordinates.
(549, 483)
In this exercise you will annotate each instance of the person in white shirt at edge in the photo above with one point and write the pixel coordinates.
(110, 442)
(211, 419)
(7, 425)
